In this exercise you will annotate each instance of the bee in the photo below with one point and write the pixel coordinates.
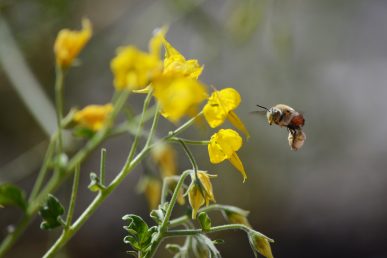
(285, 116)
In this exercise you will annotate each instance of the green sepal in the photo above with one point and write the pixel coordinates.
(83, 132)
(139, 234)
(51, 213)
(260, 244)
(205, 221)
(13, 196)
(95, 184)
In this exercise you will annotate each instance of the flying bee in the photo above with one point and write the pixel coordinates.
(286, 116)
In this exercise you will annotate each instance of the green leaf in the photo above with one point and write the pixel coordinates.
(159, 214)
(51, 213)
(139, 234)
(205, 221)
(12, 195)
(95, 184)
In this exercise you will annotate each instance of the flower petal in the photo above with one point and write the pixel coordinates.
(235, 121)
(237, 163)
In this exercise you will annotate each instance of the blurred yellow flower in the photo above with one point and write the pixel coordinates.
(237, 216)
(151, 187)
(195, 196)
(69, 43)
(93, 116)
(176, 64)
(220, 106)
(178, 96)
(223, 145)
(165, 157)
(134, 69)
(157, 41)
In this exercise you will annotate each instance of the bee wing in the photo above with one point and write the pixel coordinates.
(258, 112)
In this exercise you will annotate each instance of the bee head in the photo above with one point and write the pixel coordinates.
(273, 115)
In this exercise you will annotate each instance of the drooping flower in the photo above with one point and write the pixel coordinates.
(260, 243)
(165, 157)
(221, 105)
(93, 116)
(175, 63)
(69, 43)
(178, 96)
(223, 145)
(134, 69)
(198, 198)
(236, 216)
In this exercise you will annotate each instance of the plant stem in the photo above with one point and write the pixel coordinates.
(43, 170)
(187, 141)
(164, 224)
(102, 195)
(59, 105)
(190, 232)
(139, 129)
(102, 167)
(57, 179)
(73, 197)
(154, 125)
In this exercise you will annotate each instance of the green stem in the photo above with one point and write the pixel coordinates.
(154, 125)
(73, 197)
(164, 225)
(190, 232)
(102, 195)
(184, 126)
(187, 141)
(102, 167)
(56, 180)
(59, 105)
(139, 128)
(43, 170)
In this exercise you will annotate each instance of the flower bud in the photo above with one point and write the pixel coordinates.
(198, 194)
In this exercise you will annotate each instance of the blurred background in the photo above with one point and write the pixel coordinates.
(325, 58)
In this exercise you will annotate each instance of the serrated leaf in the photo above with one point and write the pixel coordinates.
(139, 234)
(51, 213)
(205, 221)
(12, 195)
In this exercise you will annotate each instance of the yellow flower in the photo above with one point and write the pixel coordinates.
(195, 196)
(260, 243)
(220, 106)
(151, 187)
(223, 145)
(165, 157)
(134, 69)
(69, 43)
(178, 96)
(237, 216)
(93, 116)
(157, 41)
(176, 64)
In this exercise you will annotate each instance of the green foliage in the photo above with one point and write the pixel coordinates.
(83, 132)
(51, 213)
(159, 214)
(139, 234)
(205, 221)
(12, 195)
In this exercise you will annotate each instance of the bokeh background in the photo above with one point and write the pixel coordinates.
(326, 58)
